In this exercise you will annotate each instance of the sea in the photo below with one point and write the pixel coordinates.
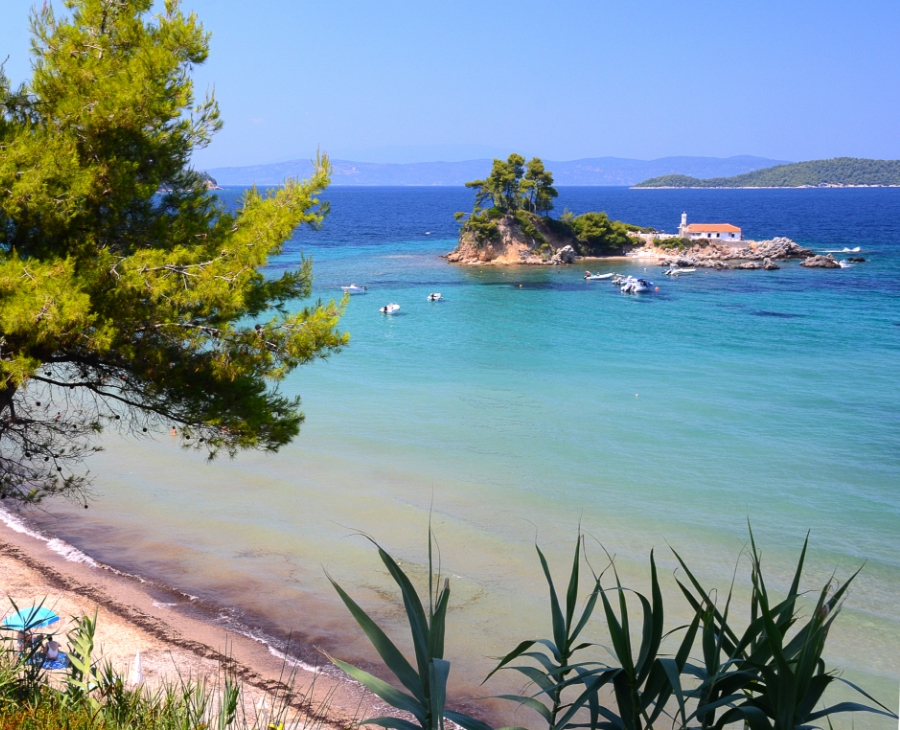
(529, 406)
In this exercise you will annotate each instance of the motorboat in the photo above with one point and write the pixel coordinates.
(619, 279)
(354, 289)
(676, 271)
(390, 309)
(435, 297)
(633, 285)
(588, 276)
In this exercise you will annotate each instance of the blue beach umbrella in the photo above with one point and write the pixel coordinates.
(35, 617)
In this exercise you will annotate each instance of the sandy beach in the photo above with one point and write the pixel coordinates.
(173, 645)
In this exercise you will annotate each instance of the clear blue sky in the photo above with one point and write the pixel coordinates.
(422, 80)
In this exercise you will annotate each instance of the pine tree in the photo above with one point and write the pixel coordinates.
(129, 296)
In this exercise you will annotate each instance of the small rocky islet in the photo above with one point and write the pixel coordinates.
(513, 246)
(510, 225)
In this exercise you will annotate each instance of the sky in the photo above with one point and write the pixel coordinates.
(414, 81)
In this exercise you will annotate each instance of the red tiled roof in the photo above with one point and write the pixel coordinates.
(712, 228)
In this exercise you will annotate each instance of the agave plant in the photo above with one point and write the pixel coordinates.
(426, 682)
(555, 657)
(767, 678)
(644, 681)
(641, 682)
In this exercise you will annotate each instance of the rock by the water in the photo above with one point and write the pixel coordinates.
(857, 260)
(565, 255)
(749, 265)
(713, 254)
(512, 245)
(780, 248)
(821, 262)
(769, 265)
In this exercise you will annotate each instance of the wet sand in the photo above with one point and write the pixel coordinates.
(174, 645)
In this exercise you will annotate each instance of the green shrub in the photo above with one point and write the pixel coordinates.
(526, 222)
(679, 244)
(597, 235)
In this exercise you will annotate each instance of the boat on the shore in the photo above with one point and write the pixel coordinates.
(588, 276)
(354, 289)
(435, 297)
(390, 308)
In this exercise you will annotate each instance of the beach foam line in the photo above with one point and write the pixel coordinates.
(291, 661)
(260, 637)
(68, 551)
(72, 554)
(61, 547)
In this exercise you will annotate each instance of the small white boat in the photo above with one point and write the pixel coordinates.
(588, 276)
(390, 309)
(636, 286)
(675, 271)
(435, 297)
(354, 289)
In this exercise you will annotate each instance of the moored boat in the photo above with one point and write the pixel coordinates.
(435, 297)
(354, 289)
(633, 285)
(390, 308)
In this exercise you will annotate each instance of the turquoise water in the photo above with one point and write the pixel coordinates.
(530, 401)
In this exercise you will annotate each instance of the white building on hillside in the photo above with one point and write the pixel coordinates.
(709, 231)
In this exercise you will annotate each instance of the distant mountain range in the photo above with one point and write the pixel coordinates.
(589, 171)
(835, 173)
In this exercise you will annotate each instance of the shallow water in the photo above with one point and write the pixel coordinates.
(531, 401)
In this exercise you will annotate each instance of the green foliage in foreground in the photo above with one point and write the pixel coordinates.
(770, 674)
(426, 683)
(93, 696)
(814, 173)
(129, 297)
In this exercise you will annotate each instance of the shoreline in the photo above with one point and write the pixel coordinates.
(757, 187)
(173, 644)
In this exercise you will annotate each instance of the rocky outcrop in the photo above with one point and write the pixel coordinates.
(512, 245)
(715, 255)
(778, 248)
(821, 262)
(769, 265)
(565, 255)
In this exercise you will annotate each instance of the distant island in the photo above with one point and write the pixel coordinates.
(840, 172)
(510, 222)
(591, 171)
